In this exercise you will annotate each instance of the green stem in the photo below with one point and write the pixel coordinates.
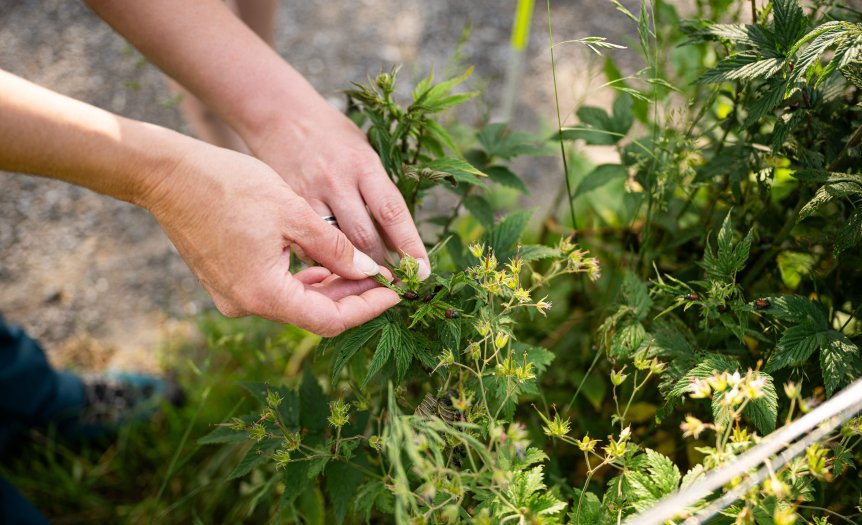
(560, 120)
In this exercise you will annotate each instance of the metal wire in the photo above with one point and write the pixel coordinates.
(814, 426)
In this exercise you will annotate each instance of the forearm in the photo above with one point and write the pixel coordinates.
(208, 50)
(48, 134)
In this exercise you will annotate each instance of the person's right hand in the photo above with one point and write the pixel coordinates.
(233, 220)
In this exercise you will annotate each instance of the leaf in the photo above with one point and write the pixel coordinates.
(664, 473)
(740, 34)
(790, 21)
(797, 309)
(540, 357)
(427, 96)
(853, 73)
(599, 127)
(389, 340)
(257, 454)
(438, 133)
(843, 460)
(296, 481)
(372, 494)
(796, 345)
(711, 363)
(480, 209)
(742, 66)
(833, 189)
(850, 235)
(503, 237)
(586, 509)
(352, 341)
(768, 101)
(636, 295)
(458, 169)
(537, 252)
(342, 481)
(499, 141)
(763, 412)
(314, 407)
(839, 361)
(502, 175)
(223, 434)
(627, 340)
(728, 259)
(600, 176)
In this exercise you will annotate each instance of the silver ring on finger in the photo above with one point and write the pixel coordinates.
(330, 219)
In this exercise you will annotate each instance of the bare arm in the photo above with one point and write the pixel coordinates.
(231, 217)
(285, 122)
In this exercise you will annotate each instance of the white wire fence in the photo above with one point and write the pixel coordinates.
(772, 453)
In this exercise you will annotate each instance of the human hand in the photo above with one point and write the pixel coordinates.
(234, 220)
(330, 164)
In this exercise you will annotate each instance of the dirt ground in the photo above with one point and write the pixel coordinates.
(96, 280)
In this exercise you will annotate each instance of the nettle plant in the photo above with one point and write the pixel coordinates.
(729, 233)
(422, 425)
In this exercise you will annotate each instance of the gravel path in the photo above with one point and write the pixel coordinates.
(77, 267)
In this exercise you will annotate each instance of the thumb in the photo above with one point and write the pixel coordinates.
(327, 245)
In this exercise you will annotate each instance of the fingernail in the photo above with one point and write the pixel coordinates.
(365, 264)
(424, 270)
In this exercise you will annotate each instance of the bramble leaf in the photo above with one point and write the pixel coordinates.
(796, 345)
(342, 481)
(839, 361)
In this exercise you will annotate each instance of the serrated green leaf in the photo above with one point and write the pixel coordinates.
(388, 344)
(499, 141)
(296, 481)
(763, 412)
(789, 21)
(537, 252)
(600, 176)
(313, 403)
(636, 295)
(626, 340)
(742, 66)
(503, 237)
(693, 475)
(829, 192)
(795, 346)
(770, 99)
(587, 509)
(480, 209)
(257, 454)
(797, 309)
(728, 259)
(435, 130)
(502, 175)
(843, 460)
(664, 473)
(342, 481)
(373, 494)
(853, 73)
(224, 434)
(349, 343)
(850, 235)
(458, 169)
(711, 363)
(839, 361)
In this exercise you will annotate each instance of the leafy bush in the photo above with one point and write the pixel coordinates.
(728, 235)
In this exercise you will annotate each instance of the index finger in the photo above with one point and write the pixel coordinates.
(391, 213)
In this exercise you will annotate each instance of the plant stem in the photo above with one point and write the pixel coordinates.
(560, 120)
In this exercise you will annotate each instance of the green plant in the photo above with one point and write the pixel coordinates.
(727, 304)
(428, 425)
